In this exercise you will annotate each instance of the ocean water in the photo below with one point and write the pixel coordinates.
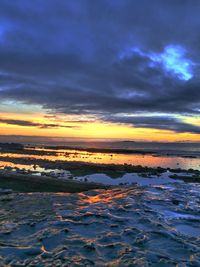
(143, 146)
(184, 156)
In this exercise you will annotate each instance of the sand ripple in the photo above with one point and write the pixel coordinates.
(133, 226)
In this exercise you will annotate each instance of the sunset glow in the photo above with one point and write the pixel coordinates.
(72, 126)
(86, 129)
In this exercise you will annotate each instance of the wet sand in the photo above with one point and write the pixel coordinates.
(33, 183)
(136, 226)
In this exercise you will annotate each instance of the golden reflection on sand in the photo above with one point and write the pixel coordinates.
(104, 197)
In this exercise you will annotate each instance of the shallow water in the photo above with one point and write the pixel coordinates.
(131, 178)
(172, 161)
(155, 225)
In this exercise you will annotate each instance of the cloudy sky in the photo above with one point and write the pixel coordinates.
(100, 69)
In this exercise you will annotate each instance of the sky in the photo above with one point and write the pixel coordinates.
(100, 69)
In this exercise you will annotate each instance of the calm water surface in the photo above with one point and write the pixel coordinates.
(110, 158)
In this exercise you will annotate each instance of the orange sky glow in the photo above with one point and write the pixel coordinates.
(74, 126)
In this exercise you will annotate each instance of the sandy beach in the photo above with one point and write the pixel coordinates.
(155, 225)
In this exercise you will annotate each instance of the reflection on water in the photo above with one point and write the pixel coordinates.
(34, 170)
(5, 164)
(107, 158)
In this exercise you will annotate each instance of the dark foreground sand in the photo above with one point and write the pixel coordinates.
(155, 226)
(33, 183)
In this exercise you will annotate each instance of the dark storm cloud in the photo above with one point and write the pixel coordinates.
(67, 56)
(158, 122)
(33, 124)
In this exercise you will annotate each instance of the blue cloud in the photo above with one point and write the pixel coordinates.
(174, 61)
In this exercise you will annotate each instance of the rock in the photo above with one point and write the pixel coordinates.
(6, 191)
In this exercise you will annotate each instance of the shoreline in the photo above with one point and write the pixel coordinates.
(54, 150)
(79, 177)
(90, 167)
(41, 174)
